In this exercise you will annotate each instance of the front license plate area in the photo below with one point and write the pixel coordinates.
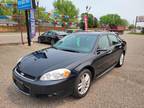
(21, 86)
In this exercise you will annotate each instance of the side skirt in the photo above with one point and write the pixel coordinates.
(106, 71)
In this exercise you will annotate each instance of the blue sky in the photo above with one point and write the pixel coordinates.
(127, 9)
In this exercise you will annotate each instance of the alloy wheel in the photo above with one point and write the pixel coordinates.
(84, 83)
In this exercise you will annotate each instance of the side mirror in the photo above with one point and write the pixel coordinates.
(114, 43)
(100, 50)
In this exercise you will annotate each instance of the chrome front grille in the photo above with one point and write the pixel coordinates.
(24, 75)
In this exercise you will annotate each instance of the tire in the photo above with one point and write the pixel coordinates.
(80, 90)
(121, 60)
(52, 42)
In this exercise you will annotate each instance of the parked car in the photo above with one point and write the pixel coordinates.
(69, 67)
(51, 36)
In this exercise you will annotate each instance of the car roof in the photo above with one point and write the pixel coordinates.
(57, 31)
(94, 33)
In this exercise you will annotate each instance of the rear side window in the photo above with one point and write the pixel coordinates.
(113, 39)
(103, 42)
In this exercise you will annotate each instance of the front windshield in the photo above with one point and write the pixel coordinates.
(83, 43)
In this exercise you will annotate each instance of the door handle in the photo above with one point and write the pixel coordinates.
(109, 52)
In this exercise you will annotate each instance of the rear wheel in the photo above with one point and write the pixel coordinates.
(82, 84)
(121, 60)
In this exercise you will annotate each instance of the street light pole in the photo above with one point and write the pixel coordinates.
(86, 17)
(135, 24)
(88, 8)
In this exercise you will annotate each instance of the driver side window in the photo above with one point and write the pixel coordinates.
(113, 40)
(103, 42)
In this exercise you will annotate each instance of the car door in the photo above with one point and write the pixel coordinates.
(103, 54)
(116, 46)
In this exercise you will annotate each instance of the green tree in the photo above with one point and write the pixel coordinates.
(9, 8)
(4, 10)
(8, 1)
(131, 26)
(41, 14)
(113, 20)
(124, 22)
(13, 11)
(66, 8)
(92, 21)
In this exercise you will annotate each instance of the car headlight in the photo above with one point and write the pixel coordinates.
(56, 75)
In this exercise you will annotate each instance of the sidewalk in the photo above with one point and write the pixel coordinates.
(14, 38)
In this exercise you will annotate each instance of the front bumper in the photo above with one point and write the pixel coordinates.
(37, 87)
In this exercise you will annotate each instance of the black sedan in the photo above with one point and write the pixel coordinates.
(69, 67)
(51, 36)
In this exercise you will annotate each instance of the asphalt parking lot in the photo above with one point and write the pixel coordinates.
(120, 88)
(14, 38)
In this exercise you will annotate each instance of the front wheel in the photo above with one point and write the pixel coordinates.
(121, 60)
(82, 84)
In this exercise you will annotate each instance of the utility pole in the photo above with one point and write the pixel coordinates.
(28, 27)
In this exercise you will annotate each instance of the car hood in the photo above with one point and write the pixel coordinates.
(40, 62)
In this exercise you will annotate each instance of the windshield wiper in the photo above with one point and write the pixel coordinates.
(70, 50)
(65, 49)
